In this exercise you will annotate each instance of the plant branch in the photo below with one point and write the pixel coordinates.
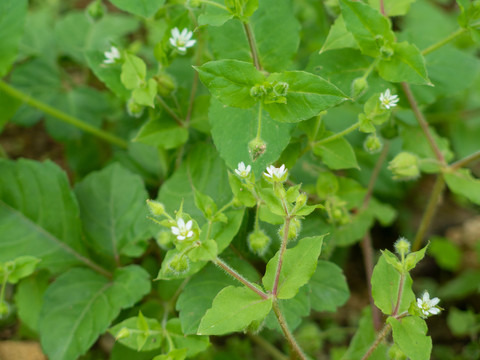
(283, 246)
(386, 329)
(401, 285)
(433, 201)
(373, 178)
(60, 115)
(286, 331)
(338, 135)
(220, 263)
(465, 161)
(423, 123)
(253, 45)
(169, 110)
(259, 123)
(269, 348)
(444, 41)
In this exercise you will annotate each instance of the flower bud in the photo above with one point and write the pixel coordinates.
(123, 334)
(95, 10)
(256, 148)
(402, 246)
(386, 52)
(372, 144)
(156, 208)
(134, 109)
(280, 89)
(258, 91)
(258, 242)
(404, 166)
(293, 230)
(179, 264)
(359, 86)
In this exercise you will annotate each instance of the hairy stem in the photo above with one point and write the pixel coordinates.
(259, 123)
(253, 45)
(213, 3)
(338, 135)
(444, 41)
(286, 331)
(433, 201)
(373, 178)
(220, 263)
(465, 161)
(401, 285)
(423, 123)
(283, 247)
(60, 115)
(382, 8)
(386, 329)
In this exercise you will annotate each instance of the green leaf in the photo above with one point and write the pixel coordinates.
(233, 309)
(307, 96)
(385, 287)
(339, 37)
(205, 252)
(145, 8)
(276, 32)
(134, 71)
(215, 15)
(462, 323)
(230, 81)
(392, 7)
(9, 106)
(193, 344)
(113, 210)
(39, 215)
(461, 182)
(405, 65)
(80, 305)
(21, 267)
(151, 337)
(337, 154)
(162, 132)
(205, 203)
(177, 354)
(447, 254)
(410, 336)
(145, 94)
(226, 121)
(12, 20)
(299, 264)
(329, 288)
(29, 298)
(414, 258)
(370, 29)
(109, 75)
(240, 191)
(364, 338)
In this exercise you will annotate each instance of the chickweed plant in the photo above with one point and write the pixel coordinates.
(234, 179)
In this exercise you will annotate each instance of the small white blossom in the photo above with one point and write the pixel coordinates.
(181, 40)
(428, 306)
(112, 55)
(243, 171)
(388, 100)
(183, 231)
(276, 174)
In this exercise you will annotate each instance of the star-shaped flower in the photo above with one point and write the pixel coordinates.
(111, 56)
(276, 174)
(181, 40)
(183, 231)
(243, 171)
(388, 100)
(428, 306)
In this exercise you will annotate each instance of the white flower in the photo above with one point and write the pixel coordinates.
(183, 231)
(428, 306)
(243, 171)
(276, 174)
(388, 101)
(111, 56)
(181, 40)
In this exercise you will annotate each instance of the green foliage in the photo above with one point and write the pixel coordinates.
(410, 336)
(145, 8)
(11, 27)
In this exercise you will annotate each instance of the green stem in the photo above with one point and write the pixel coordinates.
(220, 263)
(338, 135)
(373, 178)
(401, 285)
(444, 41)
(253, 45)
(259, 123)
(60, 115)
(465, 161)
(2, 291)
(213, 3)
(433, 201)
(225, 207)
(169, 110)
(283, 247)
(286, 331)
(386, 329)
(269, 348)
(423, 123)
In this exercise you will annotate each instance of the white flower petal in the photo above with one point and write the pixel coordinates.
(434, 301)
(248, 169)
(189, 225)
(173, 42)
(175, 230)
(181, 237)
(426, 296)
(434, 311)
(181, 223)
(190, 43)
(190, 234)
(175, 33)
